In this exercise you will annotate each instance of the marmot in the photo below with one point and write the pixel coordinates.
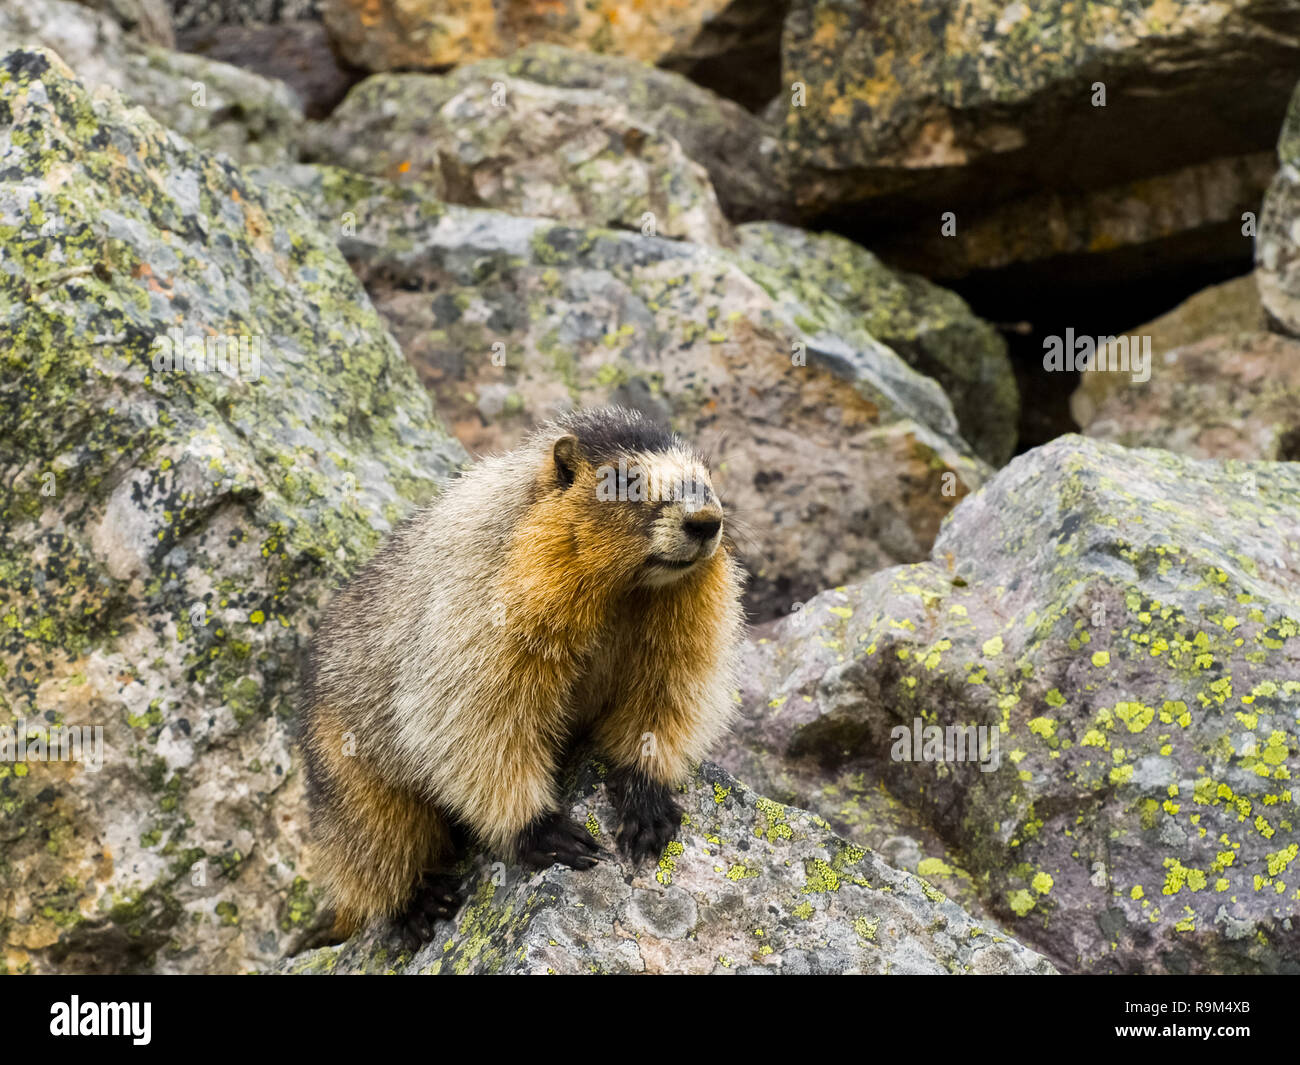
(581, 583)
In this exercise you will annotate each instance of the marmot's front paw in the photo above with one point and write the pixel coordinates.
(437, 898)
(554, 838)
(650, 817)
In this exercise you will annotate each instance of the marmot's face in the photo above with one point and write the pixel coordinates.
(655, 509)
(680, 511)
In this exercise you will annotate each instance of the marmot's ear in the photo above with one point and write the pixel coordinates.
(565, 453)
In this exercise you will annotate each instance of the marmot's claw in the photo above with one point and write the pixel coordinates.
(555, 838)
(437, 898)
(648, 829)
(650, 816)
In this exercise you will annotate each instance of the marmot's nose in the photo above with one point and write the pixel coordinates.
(702, 529)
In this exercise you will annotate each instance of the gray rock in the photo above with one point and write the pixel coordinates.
(389, 120)
(1228, 397)
(216, 106)
(483, 138)
(749, 886)
(1125, 627)
(840, 288)
(195, 14)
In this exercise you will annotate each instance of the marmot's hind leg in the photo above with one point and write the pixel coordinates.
(374, 845)
(649, 815)
(438, 896)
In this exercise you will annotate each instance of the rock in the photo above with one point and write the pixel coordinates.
(1277, 252)
(1230, 397)
(724, 36)
(834, 457)
(749, 886)
(856, 804)
(941, 103)
(847, 292)
(742, 153)
(216, 106)
(1123, 624)
(1220, 310)
(200, 14)
(170, 534)
(498, 141)
(149, 20)
(298, 53)
(1176, 222)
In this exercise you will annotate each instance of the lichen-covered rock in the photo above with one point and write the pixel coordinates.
(216, 106)
(951, 98)
(743, 154)
(171, 528)
(834, 456)
(856, 804)
(197, 14)
(1124, 625)
(1277, 252)
(838, 287)
(748, 886)
(486, 139)
(1218, 311)
(1228, 397)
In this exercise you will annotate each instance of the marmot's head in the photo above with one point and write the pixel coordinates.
(635, 491)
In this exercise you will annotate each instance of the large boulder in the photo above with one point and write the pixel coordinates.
(171, 528)
(850, 293)
(1218, 311)
(950, 99)
(1029, 146)
(608, 119)
(1277, 252)
(1228, 397)
(486, 139)
(748, 886)
(1114, 637)
(216, 106)
(835, 456)
(742, 153)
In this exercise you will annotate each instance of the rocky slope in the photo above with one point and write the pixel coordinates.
(731, 215)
